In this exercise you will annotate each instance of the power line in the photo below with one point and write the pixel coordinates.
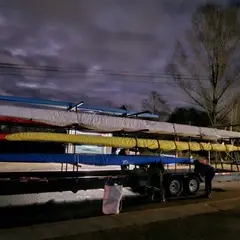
(151, 77)
(156, 81)
(115, 80)
(102, 71)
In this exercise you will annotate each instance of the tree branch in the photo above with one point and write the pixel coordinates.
(213, 43)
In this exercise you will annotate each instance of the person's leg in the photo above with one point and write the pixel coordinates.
(151, 191)
(162, 191)
(208, 184)
(124, 167)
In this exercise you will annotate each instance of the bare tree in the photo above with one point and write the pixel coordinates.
(205, 64)
(155, 104)
(235, 117)
(126, 106)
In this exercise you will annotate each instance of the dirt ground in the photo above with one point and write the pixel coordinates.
(220, 225)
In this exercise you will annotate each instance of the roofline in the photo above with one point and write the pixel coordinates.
(72, 106)
(36, 101)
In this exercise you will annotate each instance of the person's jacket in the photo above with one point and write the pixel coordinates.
(122, 152)
(203, 169)
(156, 168)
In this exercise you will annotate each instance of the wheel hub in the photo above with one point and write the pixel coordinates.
(193, 185)
(175, 187)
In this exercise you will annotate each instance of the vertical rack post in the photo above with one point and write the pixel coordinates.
(176, 152)
(175, 139)
(189, 153)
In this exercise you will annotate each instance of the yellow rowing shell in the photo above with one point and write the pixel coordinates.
(120, 142)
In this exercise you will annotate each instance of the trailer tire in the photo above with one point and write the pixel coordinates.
(192, 185)
(175, 186)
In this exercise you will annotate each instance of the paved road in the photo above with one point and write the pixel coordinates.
(52, 211)
(222, 223)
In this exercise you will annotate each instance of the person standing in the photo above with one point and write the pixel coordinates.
(206, 171)
(124, 152)
(156, 172)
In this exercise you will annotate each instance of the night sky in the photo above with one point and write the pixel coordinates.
(100, 51)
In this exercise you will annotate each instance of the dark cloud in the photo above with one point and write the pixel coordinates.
(89, 35)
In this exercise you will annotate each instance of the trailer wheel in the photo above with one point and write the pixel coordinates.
(175, 186)
(193, 185)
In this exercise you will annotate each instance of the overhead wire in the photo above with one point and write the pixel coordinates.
(159, 78)
(6, 69)
(103, 71)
